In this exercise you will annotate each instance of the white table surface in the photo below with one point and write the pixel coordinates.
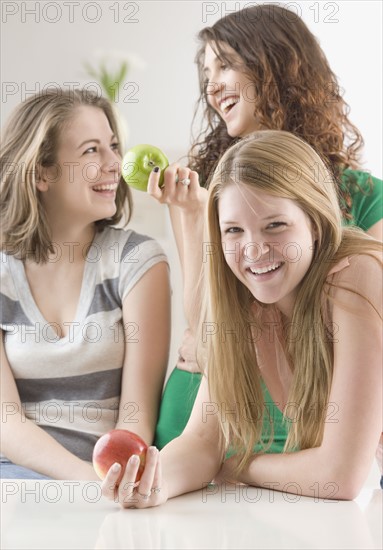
(73, 515)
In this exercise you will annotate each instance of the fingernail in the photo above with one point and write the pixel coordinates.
(134, 459)
(156, 169)
(153, 450)
(116, 467)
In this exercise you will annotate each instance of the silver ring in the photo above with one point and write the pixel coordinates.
(156, 489)
(144, 497)
(185, 181)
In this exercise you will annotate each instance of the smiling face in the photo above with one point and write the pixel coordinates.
(81, 187)
(230, 92)
(267, 242)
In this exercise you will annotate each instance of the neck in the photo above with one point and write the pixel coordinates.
(72, 244)
(286, 308)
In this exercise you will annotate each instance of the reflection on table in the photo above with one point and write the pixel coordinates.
(72, 514)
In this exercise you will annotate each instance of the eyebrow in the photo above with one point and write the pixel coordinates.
(93, 141)
(263, 219)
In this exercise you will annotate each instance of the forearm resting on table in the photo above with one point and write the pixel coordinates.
(311, 472)
(28, 445)
(189, 463)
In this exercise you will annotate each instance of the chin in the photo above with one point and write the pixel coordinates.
(233, 133)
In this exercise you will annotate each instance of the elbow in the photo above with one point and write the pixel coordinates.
(348, 491)
(346, 480)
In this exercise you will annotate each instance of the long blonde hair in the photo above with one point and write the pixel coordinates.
(30, 140)
(280, 164)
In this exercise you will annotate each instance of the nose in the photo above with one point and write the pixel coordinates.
(255, 250)
(214, 85)
(111, 162)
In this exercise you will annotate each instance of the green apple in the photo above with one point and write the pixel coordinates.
(139, 161)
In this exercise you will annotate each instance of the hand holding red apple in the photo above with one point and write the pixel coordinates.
(117, 446)
(151, 490)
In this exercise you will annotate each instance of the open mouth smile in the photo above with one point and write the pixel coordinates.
(265, 271)
(107, 189)
(227, 104)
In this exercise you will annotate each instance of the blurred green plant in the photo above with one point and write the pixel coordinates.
(110, 69)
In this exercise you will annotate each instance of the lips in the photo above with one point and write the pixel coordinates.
(228, 103)
(266, 269)
(105, 187)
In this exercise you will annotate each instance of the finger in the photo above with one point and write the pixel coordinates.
(194, 182)
(156, 489)
(110, 483)
(157, 479)
(170, 181)
(144, 490)
(153, 188)
(128, 481)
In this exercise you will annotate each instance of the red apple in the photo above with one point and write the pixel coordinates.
(118, 446)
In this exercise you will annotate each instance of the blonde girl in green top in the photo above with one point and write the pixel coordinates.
(259, 68)
(279, 259)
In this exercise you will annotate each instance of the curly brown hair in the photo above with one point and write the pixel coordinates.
(295, 91)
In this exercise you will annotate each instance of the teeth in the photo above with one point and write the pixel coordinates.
(262, 270)
(226, 103)
(109, 187)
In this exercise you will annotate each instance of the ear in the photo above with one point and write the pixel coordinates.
(314, 230)
(42, 180)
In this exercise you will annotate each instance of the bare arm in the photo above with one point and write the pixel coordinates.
(187, 207)
(22, 441)
(188, 463)
(146, 316)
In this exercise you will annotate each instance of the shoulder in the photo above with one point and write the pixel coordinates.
(357, 267)
(356, 283)
(7, 279)
(130, 255)
(127, 243)
(11, 309)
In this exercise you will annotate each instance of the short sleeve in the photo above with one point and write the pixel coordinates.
(366, 193)
(139, 253)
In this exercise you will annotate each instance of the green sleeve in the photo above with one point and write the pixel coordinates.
(366, 193)
(176, 405)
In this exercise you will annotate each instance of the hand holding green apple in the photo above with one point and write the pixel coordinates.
(138, 163)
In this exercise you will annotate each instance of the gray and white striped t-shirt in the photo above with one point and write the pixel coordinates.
(71, 386)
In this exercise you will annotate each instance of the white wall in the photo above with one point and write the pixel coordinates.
(47, 41)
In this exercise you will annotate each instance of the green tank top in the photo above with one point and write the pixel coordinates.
(178, 400)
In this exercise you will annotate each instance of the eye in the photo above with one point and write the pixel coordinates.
(276, 225)
(115, 145)
(230, 230)
(90, 150)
